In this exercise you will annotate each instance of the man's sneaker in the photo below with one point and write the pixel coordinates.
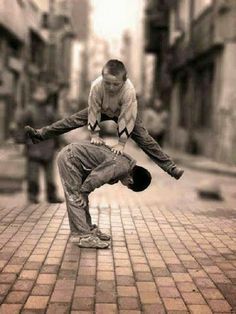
(75, 238)
(101, 235)
(92, 242)
(176, 172)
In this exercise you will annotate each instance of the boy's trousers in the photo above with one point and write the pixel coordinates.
(139, 134)
(71, 174)
(33, 168)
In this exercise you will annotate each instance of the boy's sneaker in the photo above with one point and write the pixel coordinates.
(101, 235)
(176, 172)
(55, 200)
(92, 242)
(33, 200)
(33, 134)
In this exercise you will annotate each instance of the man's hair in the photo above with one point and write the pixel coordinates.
(115, 67)
(141, 177)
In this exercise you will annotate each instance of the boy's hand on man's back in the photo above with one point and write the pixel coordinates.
(97, 140)
(118, 149)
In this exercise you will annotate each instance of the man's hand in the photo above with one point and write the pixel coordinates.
(33, 134)
(82, 200)
(97, 140)
(118, 149)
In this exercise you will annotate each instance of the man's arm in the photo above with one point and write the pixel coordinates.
(108, 171)
(126, 119)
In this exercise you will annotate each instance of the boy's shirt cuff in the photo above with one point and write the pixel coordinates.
(122, 142)
(94, 134)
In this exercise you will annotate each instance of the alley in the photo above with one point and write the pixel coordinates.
(171, 252)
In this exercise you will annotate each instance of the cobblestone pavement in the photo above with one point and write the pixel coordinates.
(171, 252)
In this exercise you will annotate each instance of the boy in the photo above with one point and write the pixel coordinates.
(112, 96)
(84, 167)
(42, 155)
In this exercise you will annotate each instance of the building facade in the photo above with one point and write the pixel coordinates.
(197, 66)
(35, 45)
(22, 56)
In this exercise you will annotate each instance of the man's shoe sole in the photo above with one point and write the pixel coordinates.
(92, 243)
(87, 246)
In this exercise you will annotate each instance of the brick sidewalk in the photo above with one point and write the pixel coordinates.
(171, 253)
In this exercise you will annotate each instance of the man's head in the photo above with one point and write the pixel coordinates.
(40, 94)
(114, 76)
(138, 180)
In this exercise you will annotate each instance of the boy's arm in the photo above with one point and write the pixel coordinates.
(109, 170)
(94, 114)
(126, 119)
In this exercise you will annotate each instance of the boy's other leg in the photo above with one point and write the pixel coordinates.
(147, 143)
(50, 182)
(33, 180)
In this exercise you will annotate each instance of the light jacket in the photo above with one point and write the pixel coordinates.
(98, 165)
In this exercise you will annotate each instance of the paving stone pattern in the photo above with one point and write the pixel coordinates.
(170, 253)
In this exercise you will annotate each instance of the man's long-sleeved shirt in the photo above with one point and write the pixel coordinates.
(98, 165)
(123, 106)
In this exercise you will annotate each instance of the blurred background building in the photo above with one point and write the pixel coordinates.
(194, 43)
(35, 45)
(179, 53)
(37, 39)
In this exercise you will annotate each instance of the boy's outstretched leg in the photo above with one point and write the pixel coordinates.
(77, 120)
(147, 143)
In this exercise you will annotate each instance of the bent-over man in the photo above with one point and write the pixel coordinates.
(85, 167)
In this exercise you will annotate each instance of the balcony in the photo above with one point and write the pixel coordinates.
(13, 19)
(203, 32)
(155, 31)
(203, 38)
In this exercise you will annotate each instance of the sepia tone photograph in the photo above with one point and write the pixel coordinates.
(118, 156)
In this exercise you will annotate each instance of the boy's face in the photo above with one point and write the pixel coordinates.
(112, 83)
(40, 95)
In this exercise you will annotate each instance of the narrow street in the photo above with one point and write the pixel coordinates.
(171, 252)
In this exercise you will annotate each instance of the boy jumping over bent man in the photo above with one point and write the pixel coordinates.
(112, 97)
(84, 167)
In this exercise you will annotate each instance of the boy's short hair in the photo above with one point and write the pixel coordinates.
(115, 67)
(141, 179)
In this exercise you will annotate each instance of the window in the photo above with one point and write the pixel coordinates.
(183, 11)
(36, 49)
(179, 20)
(183, 102)
(14, 48)
(200, 6)
(204, 96)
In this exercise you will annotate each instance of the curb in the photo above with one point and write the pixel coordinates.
(196, 165)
